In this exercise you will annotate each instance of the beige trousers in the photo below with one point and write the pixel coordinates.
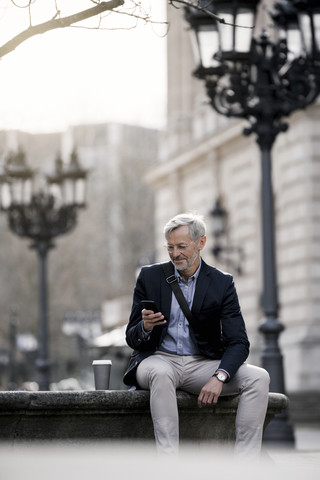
(164, 373)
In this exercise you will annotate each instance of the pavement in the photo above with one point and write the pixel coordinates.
(121, 461)
(306, 453)
(307, 438)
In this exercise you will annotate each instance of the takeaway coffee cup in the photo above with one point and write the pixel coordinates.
(101, 370)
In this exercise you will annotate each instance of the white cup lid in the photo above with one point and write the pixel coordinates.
(102, 362)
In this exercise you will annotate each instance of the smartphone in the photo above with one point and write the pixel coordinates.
(150, 305)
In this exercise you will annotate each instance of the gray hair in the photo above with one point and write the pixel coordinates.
(195, 222)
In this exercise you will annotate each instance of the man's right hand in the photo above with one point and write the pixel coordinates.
(151, 319)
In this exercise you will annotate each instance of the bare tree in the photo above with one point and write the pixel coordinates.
(101, 10)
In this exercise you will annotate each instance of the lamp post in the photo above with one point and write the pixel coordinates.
(261, 80)
(12, 370)
(41, 217)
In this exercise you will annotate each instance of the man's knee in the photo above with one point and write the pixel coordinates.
(261, 379)
(257, 377)
(265, 376)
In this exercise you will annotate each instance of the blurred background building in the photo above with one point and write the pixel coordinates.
(92, 266)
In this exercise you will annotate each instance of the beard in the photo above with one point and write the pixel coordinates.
(189, 262)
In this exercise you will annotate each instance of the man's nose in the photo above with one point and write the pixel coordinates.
(176, 251)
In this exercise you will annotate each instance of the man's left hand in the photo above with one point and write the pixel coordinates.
(210, 392)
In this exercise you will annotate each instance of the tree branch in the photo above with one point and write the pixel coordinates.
(197, 7)
(205, 10)
(57, 23)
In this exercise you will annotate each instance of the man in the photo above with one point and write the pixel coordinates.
(206, 359)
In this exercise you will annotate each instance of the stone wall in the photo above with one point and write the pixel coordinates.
(114, 415)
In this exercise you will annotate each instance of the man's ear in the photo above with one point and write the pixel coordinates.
(202, 242)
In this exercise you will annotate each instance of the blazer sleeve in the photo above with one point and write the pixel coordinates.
(135, 336)
(233, 331)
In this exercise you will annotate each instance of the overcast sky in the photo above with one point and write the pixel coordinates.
(72, 76)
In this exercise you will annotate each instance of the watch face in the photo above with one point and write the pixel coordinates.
(222, 377)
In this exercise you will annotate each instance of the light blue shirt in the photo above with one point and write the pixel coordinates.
(178, 340)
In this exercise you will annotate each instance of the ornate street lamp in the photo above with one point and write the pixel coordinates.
(230, 255)
(261, 80)
(42, 216)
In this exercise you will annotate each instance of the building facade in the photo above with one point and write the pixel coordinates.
(203, 157)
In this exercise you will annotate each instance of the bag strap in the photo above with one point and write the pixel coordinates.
(172, 280)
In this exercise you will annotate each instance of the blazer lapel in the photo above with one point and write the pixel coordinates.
(202, 286)
(166, 296)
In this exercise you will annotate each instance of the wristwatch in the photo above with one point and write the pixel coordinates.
(220, 376)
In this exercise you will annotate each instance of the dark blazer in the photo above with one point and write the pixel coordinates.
(221, 332)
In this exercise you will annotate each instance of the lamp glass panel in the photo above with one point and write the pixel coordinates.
(226, 33)
(5, 199)
(243, 36)
(218, 228)
(68, 192)
(208, 42)
(80, 191)
(17, 189)
(27, 191)
(219, 225)
(316, 23)
(219, 220)
(294, 40)
(55, 191)
(305, 27)
(195, 47)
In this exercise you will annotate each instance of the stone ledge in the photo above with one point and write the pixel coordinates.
(114, 415)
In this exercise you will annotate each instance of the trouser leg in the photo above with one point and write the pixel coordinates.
(253, 403)
(252, 383)
(163, 374)
(156, 374)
